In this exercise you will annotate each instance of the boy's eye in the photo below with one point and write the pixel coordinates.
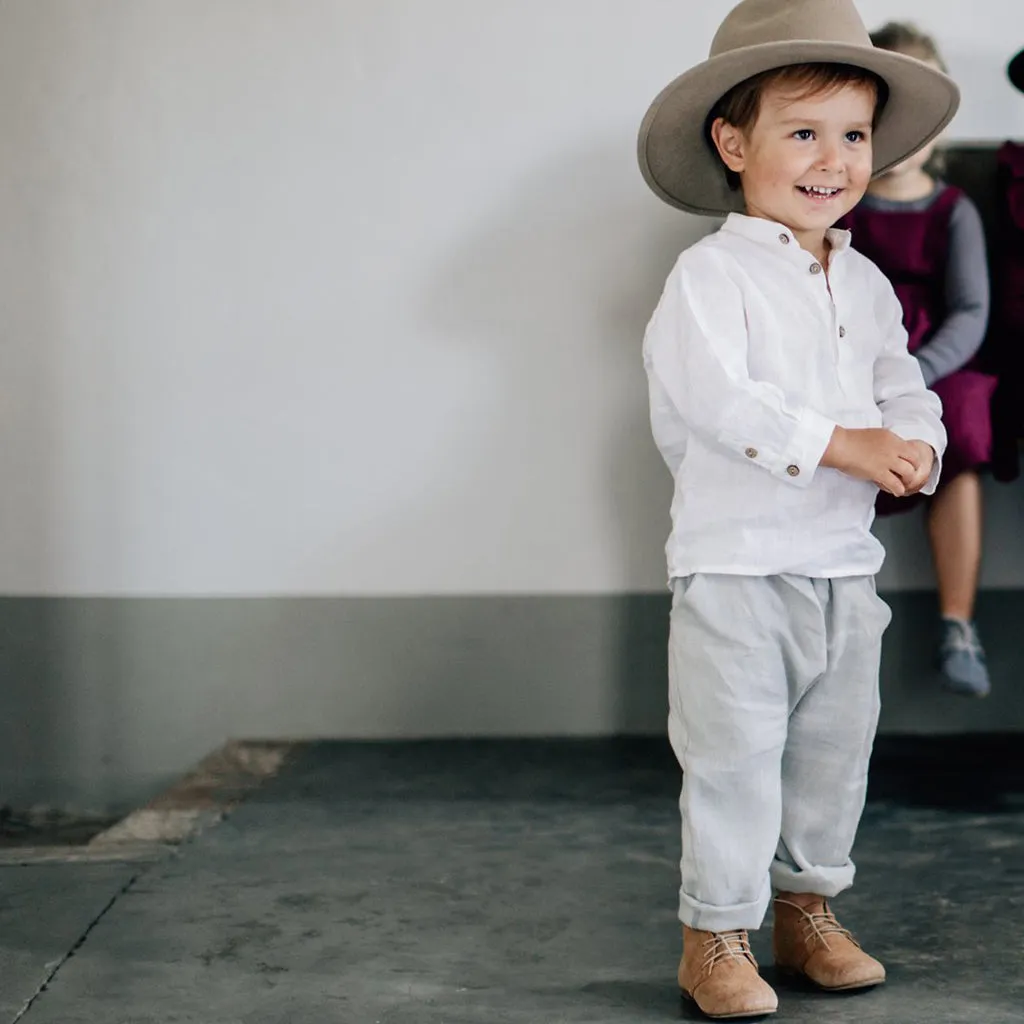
(803, 134)
(856, 136)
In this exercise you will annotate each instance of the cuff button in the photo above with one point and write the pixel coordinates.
(793, 470)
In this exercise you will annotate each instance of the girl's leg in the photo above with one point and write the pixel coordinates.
(954, 528)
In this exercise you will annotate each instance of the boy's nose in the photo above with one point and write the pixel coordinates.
(828, 158)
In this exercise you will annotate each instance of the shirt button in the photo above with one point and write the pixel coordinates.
(815, 268)
(751, 453)
(842, 332)
(793, 470)
(784, 238)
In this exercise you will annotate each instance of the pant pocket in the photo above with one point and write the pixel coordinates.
(681, 586)
(883, 609)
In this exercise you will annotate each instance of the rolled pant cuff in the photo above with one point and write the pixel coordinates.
(706, 918)
(827, 882)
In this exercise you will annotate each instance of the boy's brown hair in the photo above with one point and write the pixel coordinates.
(741, 105)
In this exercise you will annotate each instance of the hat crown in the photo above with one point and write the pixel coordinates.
(756, 22)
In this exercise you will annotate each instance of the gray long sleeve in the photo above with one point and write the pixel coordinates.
(967, 298)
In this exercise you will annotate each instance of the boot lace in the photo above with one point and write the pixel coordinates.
(821, 924)
(721, 946)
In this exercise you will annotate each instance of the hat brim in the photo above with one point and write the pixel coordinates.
(1015, 71)
(681, 168)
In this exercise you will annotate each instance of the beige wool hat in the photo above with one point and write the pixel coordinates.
(760, 35)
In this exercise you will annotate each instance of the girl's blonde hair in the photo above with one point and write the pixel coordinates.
(906, 38)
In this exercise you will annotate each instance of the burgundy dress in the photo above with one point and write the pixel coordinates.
(910, 247)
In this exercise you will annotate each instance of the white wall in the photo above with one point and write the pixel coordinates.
(345, 297)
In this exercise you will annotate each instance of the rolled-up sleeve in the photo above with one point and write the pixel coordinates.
(695, 352)
(908, 408)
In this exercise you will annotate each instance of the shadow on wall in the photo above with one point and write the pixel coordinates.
(567, 270)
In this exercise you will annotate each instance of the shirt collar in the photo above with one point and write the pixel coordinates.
(780, 238)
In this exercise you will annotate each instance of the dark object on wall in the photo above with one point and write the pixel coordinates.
(1015, 71)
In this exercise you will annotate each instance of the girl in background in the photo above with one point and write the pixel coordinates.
(927, 238)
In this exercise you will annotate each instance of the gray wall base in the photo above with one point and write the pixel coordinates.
(106, 700)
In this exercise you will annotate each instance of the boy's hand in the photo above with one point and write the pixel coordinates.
(878, 455)
(922, 461)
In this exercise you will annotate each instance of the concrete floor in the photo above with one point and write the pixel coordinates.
(470, 883)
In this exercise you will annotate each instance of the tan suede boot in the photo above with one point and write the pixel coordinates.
(719, 973)
(809, 941)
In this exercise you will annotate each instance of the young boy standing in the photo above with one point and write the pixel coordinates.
(782, 398)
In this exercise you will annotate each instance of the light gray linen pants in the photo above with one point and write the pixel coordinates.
(773, 705)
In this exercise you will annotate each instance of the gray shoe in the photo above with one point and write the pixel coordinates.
(962, 659)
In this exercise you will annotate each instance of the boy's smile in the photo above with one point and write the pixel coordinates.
(820, 193)
(807, 160)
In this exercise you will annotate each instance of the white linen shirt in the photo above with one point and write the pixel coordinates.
(753, 356)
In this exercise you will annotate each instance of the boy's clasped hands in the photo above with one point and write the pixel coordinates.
(899, 467)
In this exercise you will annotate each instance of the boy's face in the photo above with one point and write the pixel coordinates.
(807, 160)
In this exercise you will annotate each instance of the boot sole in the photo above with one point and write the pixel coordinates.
(793, 975)
(691, 1003)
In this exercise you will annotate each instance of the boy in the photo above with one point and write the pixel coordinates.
(782, 398)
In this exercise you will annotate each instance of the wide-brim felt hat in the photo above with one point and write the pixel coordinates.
(676, 158)
(1015, 71)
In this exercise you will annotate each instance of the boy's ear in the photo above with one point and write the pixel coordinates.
(729, 142)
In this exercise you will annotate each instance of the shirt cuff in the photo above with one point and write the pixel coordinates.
(806, 448)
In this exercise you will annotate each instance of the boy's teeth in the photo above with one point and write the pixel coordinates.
(817, 190)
